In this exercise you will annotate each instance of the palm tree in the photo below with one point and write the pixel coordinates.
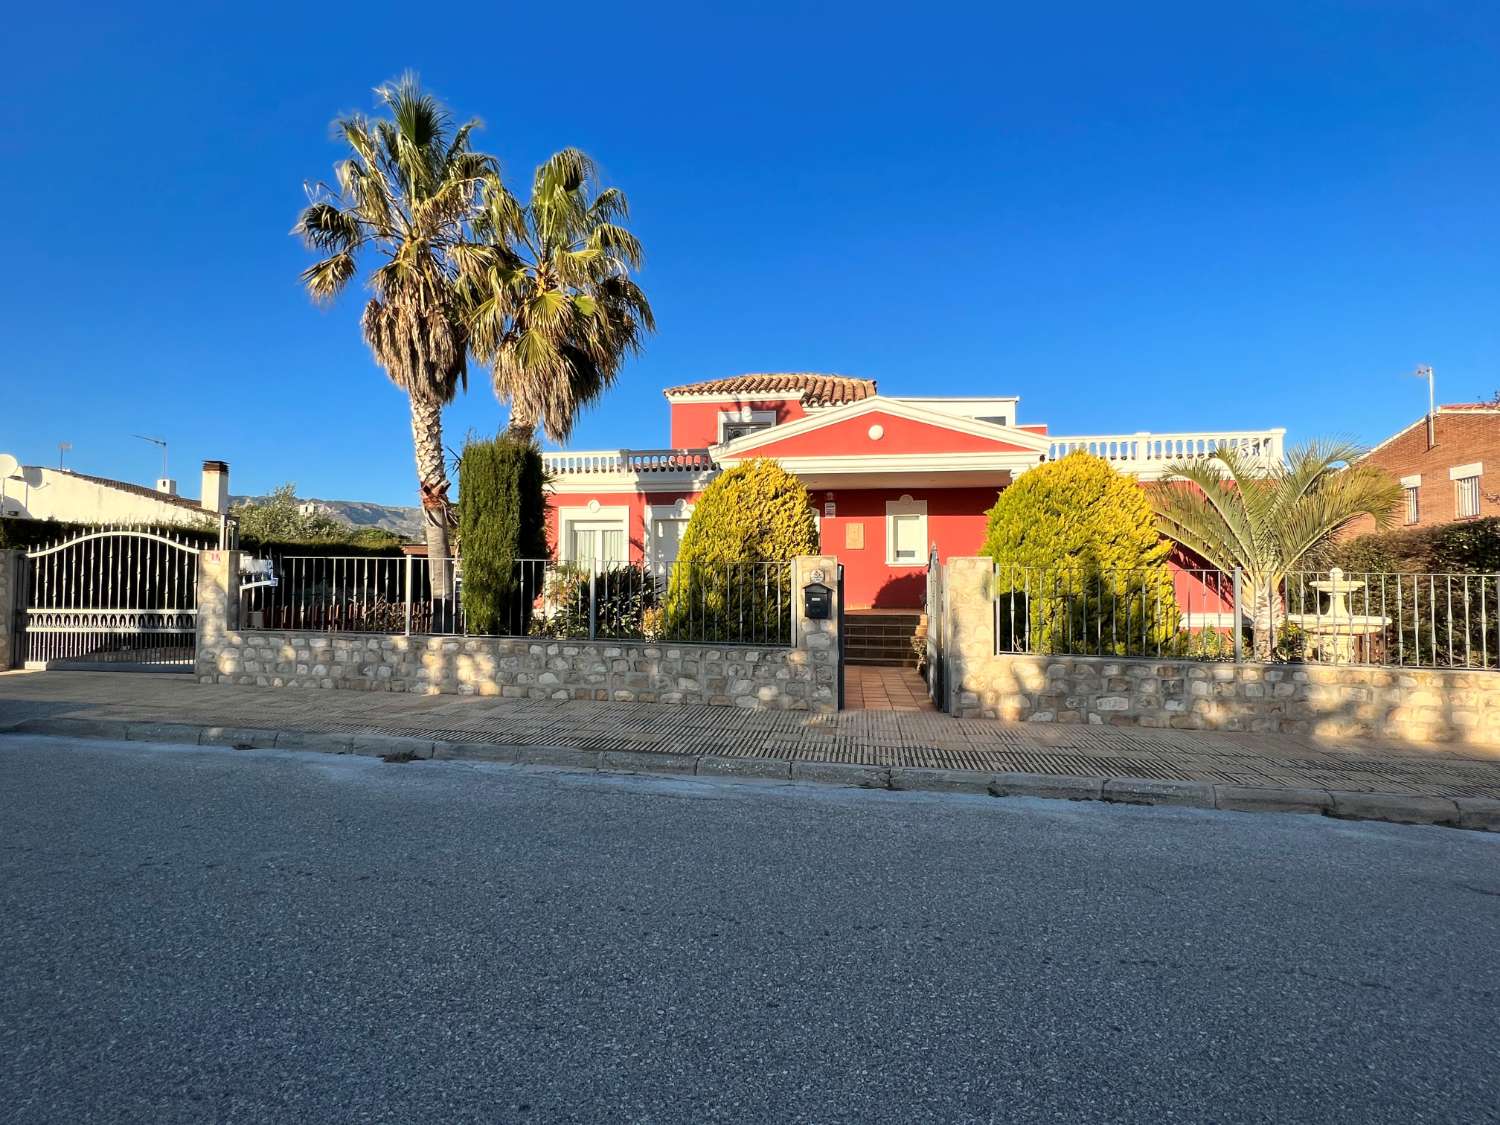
(1236, 512)
(409, 194)
(555, 312)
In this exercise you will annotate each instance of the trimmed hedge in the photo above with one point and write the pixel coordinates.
(1080, 560)
(1464, 547)
(754, 513)
(502, 519)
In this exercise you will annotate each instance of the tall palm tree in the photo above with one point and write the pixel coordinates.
(409, 194)
(554, 312)
(1237, 512)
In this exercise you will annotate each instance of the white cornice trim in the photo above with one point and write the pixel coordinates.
(585, 483)
(740, 447)
(748, 397)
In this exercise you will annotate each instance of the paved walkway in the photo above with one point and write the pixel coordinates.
(876, 738)
(869, 688)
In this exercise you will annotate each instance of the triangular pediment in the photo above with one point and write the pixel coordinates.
(881, 427)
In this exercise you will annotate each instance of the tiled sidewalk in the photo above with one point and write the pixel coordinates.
(878, 738)
(885, 689)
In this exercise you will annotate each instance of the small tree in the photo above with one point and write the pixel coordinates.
(502, 520)
(1266, 520)
(754, 513)
(282, 518)
(1080, 563)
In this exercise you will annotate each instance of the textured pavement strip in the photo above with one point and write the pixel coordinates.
(881, 739)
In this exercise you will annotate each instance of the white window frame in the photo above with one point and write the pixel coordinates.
(766, 418)
(1461, 476)
(592, 512)
(1466, 498)
(1413, 504)
(906, 506)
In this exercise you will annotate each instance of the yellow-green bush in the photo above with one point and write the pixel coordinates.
(1080, 564)
(756, 513)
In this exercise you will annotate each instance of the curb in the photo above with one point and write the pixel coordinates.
(1476, 813)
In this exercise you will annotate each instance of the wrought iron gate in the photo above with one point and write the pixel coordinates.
(937, 614)
(112, 599)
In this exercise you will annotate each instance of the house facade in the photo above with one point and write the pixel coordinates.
(891, 478)
(39, 493)
(1442, 468)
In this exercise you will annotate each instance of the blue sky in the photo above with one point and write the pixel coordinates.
(1155, 216)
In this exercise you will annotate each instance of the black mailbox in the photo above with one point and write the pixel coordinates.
(817, 601)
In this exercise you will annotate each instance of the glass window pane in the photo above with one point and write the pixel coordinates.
(906, 537)
(614, 547)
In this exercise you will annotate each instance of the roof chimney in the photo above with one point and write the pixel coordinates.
(215, 494)
(167, 485)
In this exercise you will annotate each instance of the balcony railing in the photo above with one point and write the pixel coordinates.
(627, 461)
(1147, 455)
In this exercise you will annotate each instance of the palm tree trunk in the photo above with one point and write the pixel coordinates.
(1265, 608)
(522, 424)
(432, 477)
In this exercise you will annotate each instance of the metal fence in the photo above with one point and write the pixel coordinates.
(1325, 617)
(736, 603)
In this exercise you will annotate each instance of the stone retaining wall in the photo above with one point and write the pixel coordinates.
(800, 678)
(1350, 702)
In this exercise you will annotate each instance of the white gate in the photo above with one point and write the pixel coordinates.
(111, 599)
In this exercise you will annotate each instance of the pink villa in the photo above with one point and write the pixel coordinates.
(891, 477)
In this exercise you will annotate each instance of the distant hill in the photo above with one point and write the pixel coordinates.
(358, 513)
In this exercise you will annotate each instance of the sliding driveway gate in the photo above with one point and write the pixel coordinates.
(111, 599)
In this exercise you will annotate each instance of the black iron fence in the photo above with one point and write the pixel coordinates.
(747, 603)
(1329, 617)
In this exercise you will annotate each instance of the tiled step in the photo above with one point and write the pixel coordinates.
(882, 640)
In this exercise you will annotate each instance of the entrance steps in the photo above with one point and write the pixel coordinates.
(883, 638)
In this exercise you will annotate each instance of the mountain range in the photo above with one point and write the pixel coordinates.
(358, 513)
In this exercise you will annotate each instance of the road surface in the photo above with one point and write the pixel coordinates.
(234, 936)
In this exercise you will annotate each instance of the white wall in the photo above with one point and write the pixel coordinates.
(50, 494)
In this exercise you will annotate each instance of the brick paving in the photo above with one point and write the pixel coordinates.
(866, 737)
(869, 688)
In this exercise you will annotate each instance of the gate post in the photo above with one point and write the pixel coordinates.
(12, 573)
(819, 638)
(218, 609)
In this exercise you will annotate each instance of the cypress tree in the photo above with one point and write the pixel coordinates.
(502, 519)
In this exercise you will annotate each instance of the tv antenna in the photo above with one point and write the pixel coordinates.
(62, 449)
(1424, 371)
(161, 442)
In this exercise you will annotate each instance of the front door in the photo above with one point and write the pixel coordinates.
(666, 540)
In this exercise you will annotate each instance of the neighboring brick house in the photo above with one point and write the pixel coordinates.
(1454, 477)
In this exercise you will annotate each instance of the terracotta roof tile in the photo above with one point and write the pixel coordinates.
(1458, 407)
(816, 389)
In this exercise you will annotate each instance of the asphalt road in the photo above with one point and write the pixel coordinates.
(218, 935)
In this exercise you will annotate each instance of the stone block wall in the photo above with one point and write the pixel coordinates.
(12, 563)
(1350, 702)
(799, 678)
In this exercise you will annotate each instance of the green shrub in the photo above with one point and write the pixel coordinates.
(625, 598)
(720, 588)
(502, 519)
(1080, 564)
(1463, 547)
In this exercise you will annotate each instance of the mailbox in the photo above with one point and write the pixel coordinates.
(817, 601)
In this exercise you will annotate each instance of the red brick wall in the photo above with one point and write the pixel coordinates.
(1463, 437)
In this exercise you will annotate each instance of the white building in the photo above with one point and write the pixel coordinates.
(35, 492)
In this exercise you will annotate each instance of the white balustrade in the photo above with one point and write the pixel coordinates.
(1148, 454)
(627, 461)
